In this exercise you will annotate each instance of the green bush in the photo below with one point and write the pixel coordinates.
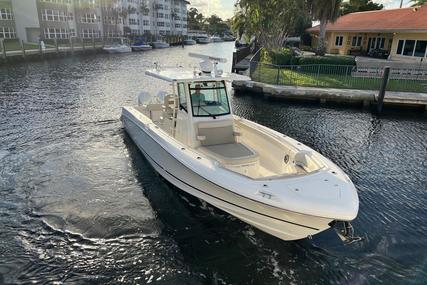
(282, 56)
(328, 59)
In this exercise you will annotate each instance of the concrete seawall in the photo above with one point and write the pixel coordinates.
(364, 98)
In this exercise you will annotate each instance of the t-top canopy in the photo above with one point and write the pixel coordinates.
(191, 75)
(208, 71)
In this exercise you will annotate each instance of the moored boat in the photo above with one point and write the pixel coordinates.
(121, 47)
(118, 48)
(216, 39)
(228, 38)
(160, 44)
(189, 42)
(203, 40)
(140, 45)
(262, 177)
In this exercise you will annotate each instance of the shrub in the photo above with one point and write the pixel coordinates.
(282, 56)
(328, 59)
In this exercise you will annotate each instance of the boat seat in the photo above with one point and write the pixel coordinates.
(231, 153)
(215, 132)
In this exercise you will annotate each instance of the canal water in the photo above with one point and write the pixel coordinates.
(80, 205)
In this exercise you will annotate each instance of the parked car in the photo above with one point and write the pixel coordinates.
(379, 53)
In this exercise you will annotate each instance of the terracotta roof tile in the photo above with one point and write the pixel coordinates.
(405, 19)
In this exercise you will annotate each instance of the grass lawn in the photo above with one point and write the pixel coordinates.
(12, 45)
(337, 79)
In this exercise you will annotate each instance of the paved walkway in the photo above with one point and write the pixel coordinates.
(365, 97)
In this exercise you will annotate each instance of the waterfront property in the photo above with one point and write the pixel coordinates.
(32, 20)
(401, 32)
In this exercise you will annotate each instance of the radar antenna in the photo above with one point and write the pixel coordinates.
(209, 63)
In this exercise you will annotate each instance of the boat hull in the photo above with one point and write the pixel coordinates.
(203, 41)
(141, 48)
(189, 42)
(284, 224)
(160, 45)
(118, 50)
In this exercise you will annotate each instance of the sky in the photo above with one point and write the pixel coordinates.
(225, 8)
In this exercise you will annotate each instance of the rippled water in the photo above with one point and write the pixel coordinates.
(79, 203)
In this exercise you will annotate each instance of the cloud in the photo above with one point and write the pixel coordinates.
(221, 8)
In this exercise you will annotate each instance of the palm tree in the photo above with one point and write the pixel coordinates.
(325, 11)
(418, 2)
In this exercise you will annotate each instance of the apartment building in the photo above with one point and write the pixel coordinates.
(31, 20)
(7, 20)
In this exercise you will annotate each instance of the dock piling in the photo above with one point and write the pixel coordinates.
(3, 48)
(71, 45)
(383, 86)
(56, 45)
(23, 48)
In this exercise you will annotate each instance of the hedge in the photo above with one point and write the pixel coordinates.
(283, 56)
(327, 59)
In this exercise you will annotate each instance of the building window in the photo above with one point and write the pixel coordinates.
(89, 33)
(55, 33)
(133, 21)
(338, 41)
(400, 46)
(6, 14)
(160, 15)
(7, 33)
(146, 22)
(160, 24)
(416, 48)
(408, 49)
(54, 16)
(177, 25)
(87, 3)
(89, 18)
(356, 41)
(420, 49)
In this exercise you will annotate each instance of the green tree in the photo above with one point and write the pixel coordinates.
(352, 6)
(271, 21)
(195, 19)
(215, 25)
(324, 11)
(418, 2)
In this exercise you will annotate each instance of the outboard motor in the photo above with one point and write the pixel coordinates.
(346, 232)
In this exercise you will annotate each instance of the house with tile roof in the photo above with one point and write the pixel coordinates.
(402, 32)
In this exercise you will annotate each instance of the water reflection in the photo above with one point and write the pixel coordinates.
(80, 204)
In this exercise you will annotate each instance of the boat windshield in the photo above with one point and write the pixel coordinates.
(209, 99)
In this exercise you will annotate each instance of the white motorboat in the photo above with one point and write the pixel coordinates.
(118, 48)
(140, 47)
(160, 44)
(189, 42)
(262, 177)
(228, 38)
(216, 39)
(121, 47)
(203, 40)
